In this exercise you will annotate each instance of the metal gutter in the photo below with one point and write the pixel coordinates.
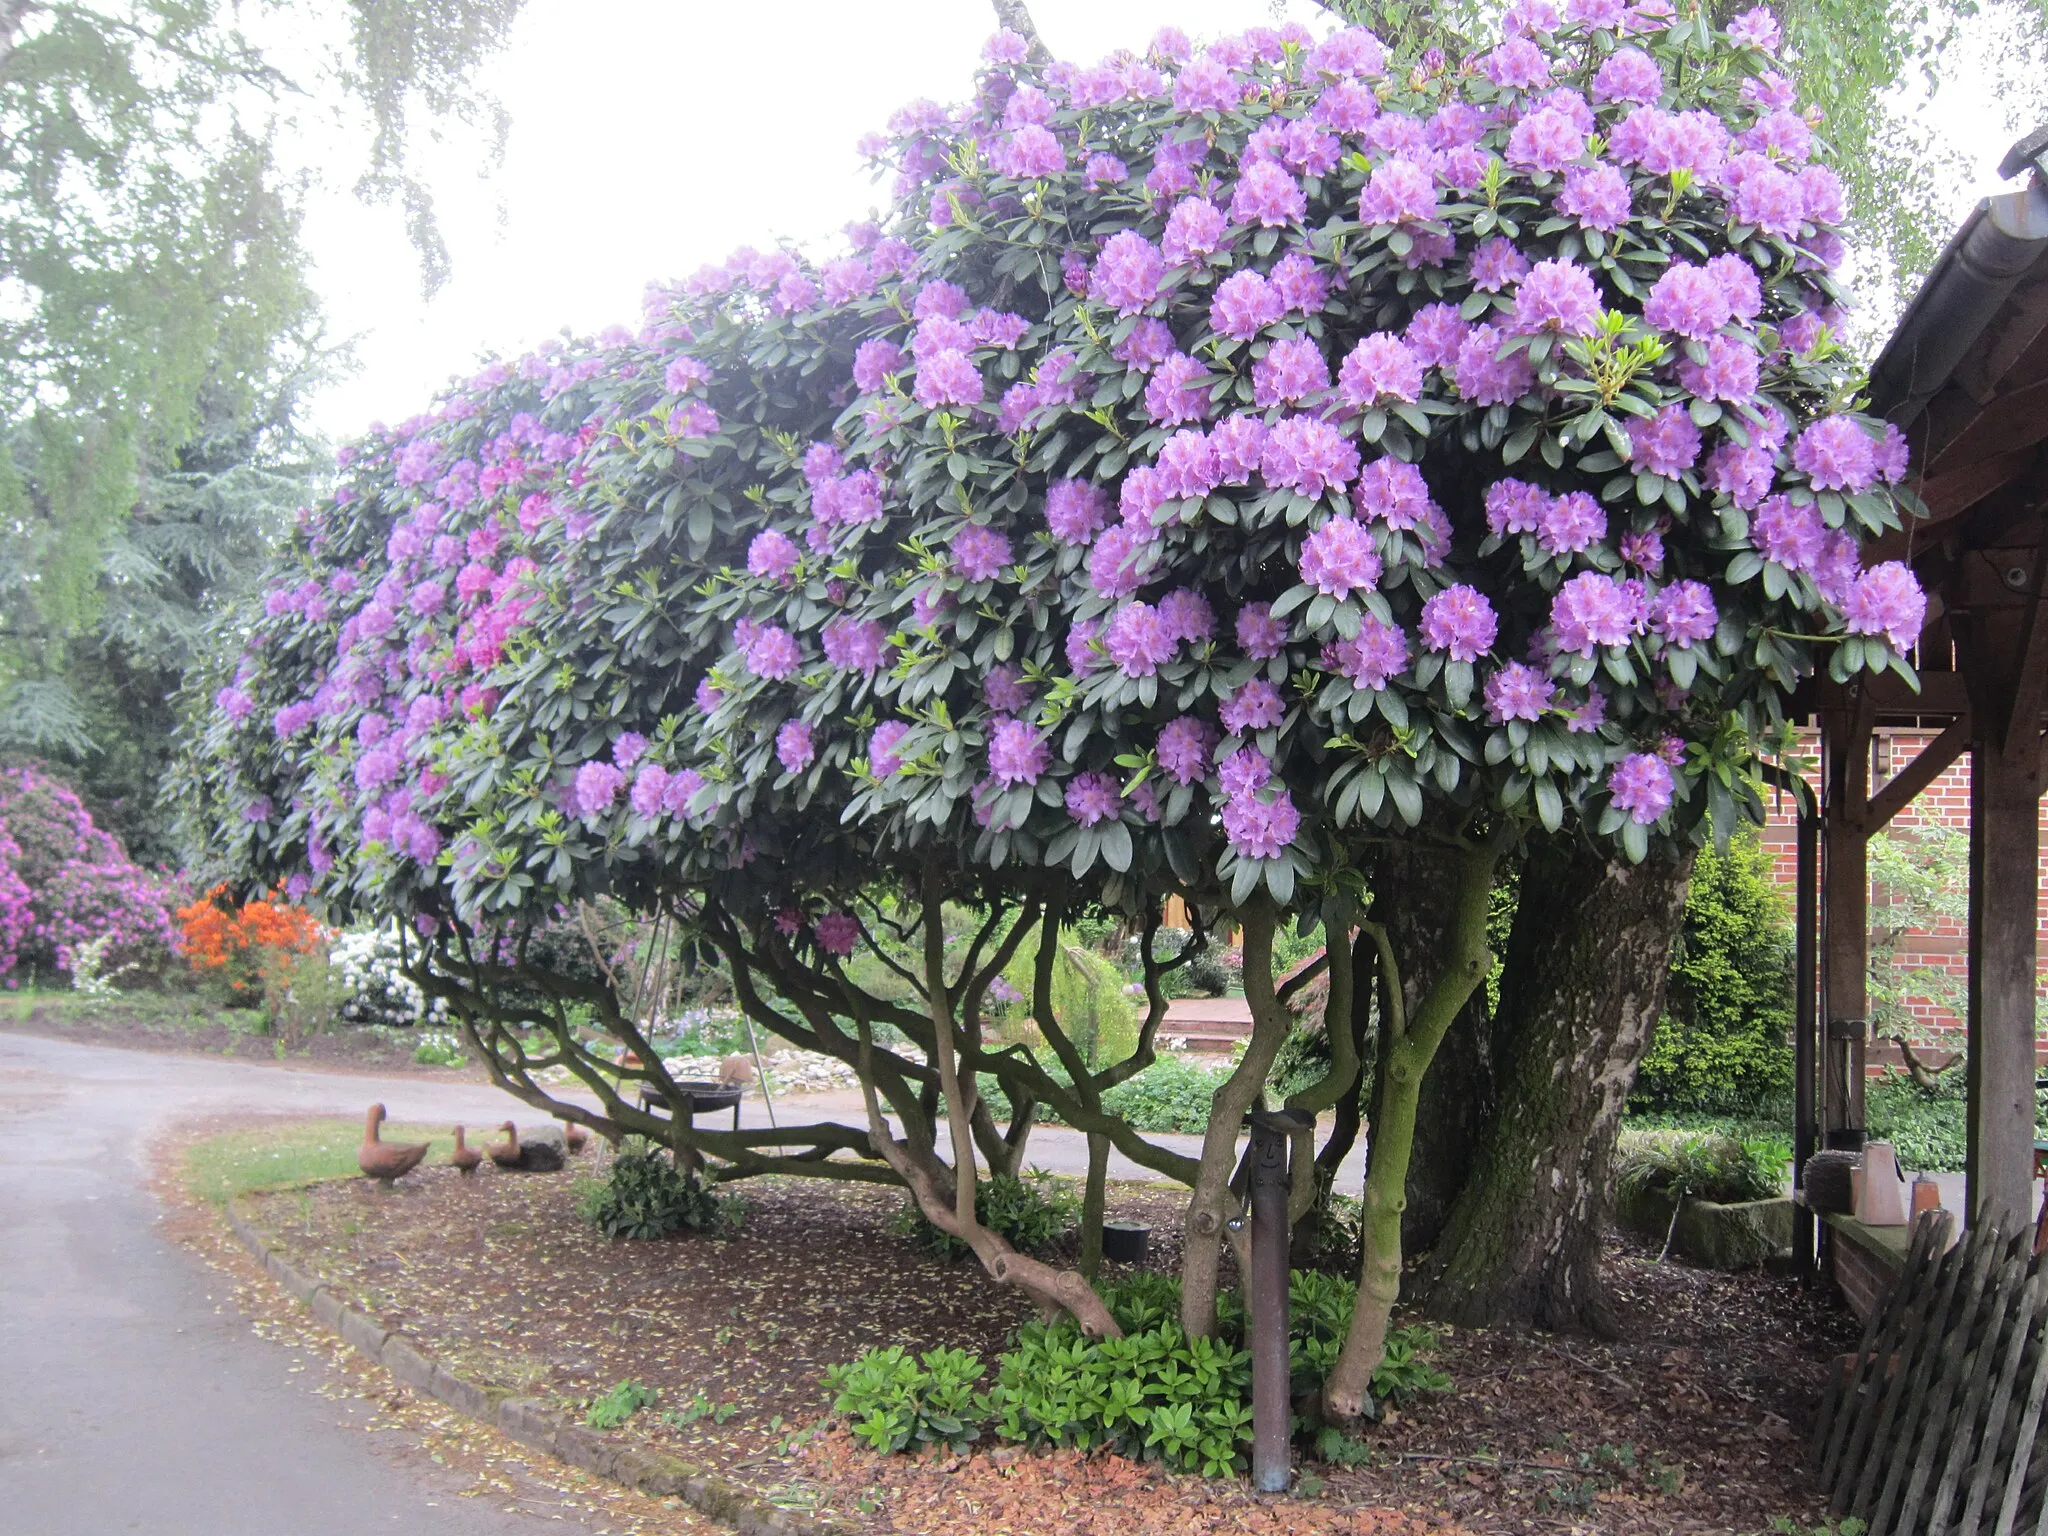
(2001, 242)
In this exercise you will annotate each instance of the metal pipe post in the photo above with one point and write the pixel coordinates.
(1272, 1399)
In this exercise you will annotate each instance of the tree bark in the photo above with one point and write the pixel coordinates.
(1015, 16)
(1414, 896)
(1411, 1042)
(1209, 1202)
(1583, 987)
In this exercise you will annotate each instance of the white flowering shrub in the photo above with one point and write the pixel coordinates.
(374, 990)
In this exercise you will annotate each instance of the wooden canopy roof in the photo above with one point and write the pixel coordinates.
(1965, 376)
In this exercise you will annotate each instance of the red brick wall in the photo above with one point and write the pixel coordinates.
(1941, 947)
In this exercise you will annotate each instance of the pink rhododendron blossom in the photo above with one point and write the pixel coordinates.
(1668, 443)
(1484, 376)
(1558, 295)
(1194, 229)
(1688, 300)
(1592, 610)
(1836, 455)
(1547, 140)
(1260, 635)
(1139, 640)
(1684, 613)
(1178, 391)
(1188, 616)
(1017, 753)
(883, 759)
(794, 747)
(1184, 746)
(1255, 706)
(980, 553)
(1075, 510)
(1381, 367)
(1261, 827)
(1515, 506)
(1307, 455)
(1372, 658)
(1498, 264)
(1398, 192)
(1092, 798)
(1128, 273)
(1459, 621)
(1267, 196)
(1886, 600)
(1292, 370)
(1517, 692)
(1245, 304)
(1571, 523)
(1596, 196)
(1641, 785)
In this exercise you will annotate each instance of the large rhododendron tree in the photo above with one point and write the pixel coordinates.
(1218, 465)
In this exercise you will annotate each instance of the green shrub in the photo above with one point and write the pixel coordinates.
(1208, 975)
(1173, 1094)
(1724, 1042)
(1927, 1130)
(1031, 1213)
(1153, 1393)
(1706, 1167)
(618, 1405)
(647, 1197)
(894, 1403)
(1088, 998)
(439, 1048)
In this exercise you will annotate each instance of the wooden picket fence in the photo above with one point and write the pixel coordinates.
(1936, 1426)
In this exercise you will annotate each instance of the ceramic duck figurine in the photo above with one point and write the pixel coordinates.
(505, 1153)
(524, 1157)
(381, 1160)
(464, 1156)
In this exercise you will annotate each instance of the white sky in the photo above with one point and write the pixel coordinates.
(651, 136)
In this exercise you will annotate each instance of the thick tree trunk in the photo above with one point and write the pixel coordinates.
(1411, 1042)
(1414, 893)
(1583, 987)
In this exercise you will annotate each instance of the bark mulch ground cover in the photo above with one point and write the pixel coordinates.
(1693, 1420)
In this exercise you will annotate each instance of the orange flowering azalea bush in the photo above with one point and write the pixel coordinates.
(256, 947)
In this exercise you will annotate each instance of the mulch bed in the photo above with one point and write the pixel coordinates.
(1693, 1420)
(198, 1032)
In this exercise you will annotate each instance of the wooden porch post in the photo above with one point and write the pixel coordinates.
(1845, 914)
(2005, 795)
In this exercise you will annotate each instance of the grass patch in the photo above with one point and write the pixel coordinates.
(170, 1009)
(291, 1156)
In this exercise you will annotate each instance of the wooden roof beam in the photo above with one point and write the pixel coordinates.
(1959, 429)
(1907, 784)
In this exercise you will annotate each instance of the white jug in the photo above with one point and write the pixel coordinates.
(1881, 1202)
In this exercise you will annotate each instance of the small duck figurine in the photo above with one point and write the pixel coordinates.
(524, 1157)
(464, 1156)
(384, 1161)
(505, 1153)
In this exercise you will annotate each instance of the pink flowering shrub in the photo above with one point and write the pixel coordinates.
(1500, 462)
(64, 882)
(1214, 466)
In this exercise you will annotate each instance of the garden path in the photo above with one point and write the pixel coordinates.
(137, 1397)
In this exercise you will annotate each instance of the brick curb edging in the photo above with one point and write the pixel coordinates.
(528, 1420)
